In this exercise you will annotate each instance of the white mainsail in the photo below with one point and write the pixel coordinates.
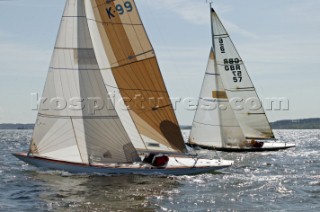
(238, 85)
(102, 48)
(214, 124)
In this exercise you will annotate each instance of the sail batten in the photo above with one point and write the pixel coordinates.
(78, 117)
(78, 131)
(214, 124)
(218, 125)
(95, 60)
(89, 118)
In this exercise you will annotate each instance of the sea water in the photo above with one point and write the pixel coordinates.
(286, 180)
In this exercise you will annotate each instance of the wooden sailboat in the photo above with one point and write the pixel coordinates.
(218, 124)
(102, 50)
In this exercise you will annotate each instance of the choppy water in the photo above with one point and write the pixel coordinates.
(280, 181)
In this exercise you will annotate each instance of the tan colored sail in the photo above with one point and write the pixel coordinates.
(136, 72)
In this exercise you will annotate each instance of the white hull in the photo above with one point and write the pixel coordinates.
(267, 146)
(176, 166)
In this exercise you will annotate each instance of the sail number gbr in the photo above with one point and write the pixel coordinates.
(233, 64)
(119, 8)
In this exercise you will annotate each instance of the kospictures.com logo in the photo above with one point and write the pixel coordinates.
(139, 102)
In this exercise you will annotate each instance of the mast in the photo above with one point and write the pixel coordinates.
(206, 126)
(216, 68)
(74, 129)
(216, 128)
(212, 30)
(238, 84)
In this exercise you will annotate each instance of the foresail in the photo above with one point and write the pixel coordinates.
(129, 67)
(214, 124)
(206, 126)
(74, 123)
(238, 85)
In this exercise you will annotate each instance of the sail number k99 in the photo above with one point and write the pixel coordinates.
(119, 8)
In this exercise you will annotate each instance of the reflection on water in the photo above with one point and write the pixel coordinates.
(285, 180)
(102, 193)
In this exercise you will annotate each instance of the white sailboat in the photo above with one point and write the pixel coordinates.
(218, 124)
(102, 49)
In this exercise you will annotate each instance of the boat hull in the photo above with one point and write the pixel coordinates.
(267, 147)
(79, 168)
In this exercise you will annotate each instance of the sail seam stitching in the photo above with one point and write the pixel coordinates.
(215, 125)
(79, 117)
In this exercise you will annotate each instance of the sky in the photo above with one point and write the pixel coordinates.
(278, 40)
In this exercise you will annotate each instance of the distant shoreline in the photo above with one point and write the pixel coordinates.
(16, 126)
(299, 124)
(311, 123)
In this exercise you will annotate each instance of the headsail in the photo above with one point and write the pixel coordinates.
(130, 69)
(238, 85)
(69, 126)
(214, 124)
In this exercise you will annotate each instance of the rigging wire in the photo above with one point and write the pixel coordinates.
(164, 40)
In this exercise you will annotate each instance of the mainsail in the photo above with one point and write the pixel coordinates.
(238, 85)
(130, 70)
(214, 123)
(102, 47)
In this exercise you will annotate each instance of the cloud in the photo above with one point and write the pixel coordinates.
(233, 28)
(191, 10)
(304, 12)
(183, 62)
(282, 50)
(197, 12)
